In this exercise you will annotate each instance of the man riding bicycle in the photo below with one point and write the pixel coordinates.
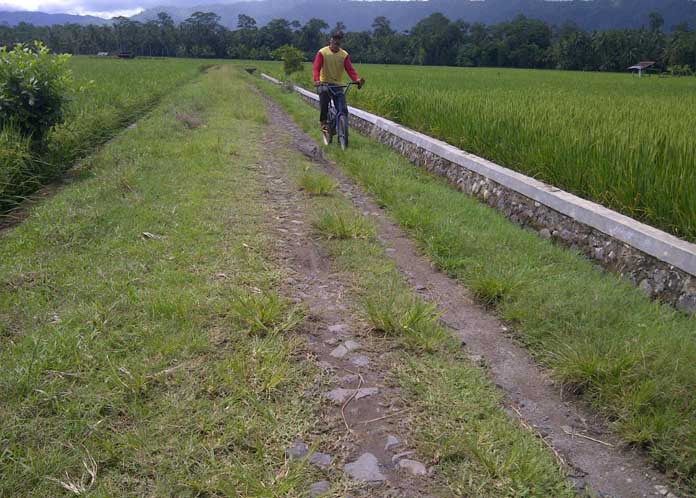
(329, 65)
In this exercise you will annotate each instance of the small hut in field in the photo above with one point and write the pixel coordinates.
(641, 67)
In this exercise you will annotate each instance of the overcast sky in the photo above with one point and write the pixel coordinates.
(102, 8)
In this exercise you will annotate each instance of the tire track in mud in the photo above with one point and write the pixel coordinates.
(594, 458)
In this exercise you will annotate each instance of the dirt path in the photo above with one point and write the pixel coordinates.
(367, 451)
(595, 459)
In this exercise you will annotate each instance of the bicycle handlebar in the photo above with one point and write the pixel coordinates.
(331, 87)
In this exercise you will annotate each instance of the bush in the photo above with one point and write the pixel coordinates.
(34, 87)
(292, 58)
(678, 70)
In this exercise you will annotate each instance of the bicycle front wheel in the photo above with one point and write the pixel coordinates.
(342, 131)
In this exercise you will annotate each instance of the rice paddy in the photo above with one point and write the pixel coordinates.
(616, 139)
(112, 94)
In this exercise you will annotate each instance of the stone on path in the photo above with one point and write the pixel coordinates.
(412, 467)
(360, 360)
(365, 468)
(297, 450)
(661, 490)
(338, 328)
(321, 460)
(349, 379)
(319, 488)
(364, 392)
(340, 395)
(401, 456)
(339, 351)
(392, 442)
(351, 345)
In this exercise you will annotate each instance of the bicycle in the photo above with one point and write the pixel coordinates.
(337, 119)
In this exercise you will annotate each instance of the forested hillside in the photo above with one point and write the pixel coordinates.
(358, 15)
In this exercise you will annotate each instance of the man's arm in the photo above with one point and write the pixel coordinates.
(316, 69)
(352, 73)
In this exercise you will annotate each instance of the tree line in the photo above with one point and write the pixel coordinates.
(435, 40)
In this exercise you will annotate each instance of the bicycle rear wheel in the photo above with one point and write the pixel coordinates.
(342, 131)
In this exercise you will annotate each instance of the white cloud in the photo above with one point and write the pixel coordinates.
(109, 13)
(101, 8)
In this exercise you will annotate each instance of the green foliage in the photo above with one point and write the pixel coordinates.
(34, 88)
(523, 41)
(292, 58)
(678, 70)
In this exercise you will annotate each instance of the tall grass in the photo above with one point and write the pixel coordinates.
(625, 142)
(115, 93)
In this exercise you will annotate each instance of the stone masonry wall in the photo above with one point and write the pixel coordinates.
(657, 279)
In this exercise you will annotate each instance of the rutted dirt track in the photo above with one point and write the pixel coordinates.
(594, 458)
(369, 442)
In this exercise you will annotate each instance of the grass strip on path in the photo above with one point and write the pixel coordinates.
(634, 360)
(143, 350)
(456, 417)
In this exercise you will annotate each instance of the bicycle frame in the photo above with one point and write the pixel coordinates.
(336, 114)
(338, 90)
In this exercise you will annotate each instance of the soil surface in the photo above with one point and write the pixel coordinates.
(595, 459)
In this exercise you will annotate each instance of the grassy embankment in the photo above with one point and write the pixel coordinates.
(624, 142)
(632, 359)
(115, 93)
(133, 363)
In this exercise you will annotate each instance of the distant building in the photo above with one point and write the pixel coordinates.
(641, 67)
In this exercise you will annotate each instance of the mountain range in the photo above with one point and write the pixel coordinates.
(358, 15)
(44, 19)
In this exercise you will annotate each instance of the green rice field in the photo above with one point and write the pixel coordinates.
(116, 91)
(113, 93)
(625, 142)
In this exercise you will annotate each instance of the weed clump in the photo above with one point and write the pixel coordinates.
(490, 290)
(317, 184)
(343, 224)
(400, 314)
(265, 314)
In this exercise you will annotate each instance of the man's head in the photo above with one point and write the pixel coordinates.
(335, 40)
